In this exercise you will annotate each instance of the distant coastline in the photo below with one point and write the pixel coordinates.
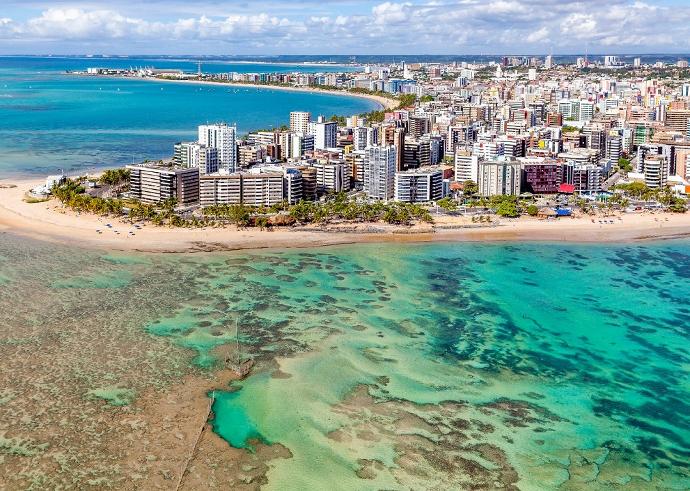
(384, 103)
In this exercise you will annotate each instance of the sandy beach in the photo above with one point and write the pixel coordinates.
(383, 102)
(50, 221)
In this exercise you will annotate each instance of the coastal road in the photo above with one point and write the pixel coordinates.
(611, 181)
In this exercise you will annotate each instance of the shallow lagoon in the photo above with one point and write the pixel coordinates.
(420, 366)
(567, 365)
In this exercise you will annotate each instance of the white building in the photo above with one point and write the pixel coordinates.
(419, 185)
(223, 138)
(360, 137)
(256, 189)
(299, 121)
(379, 172)
(499, 177)
(325, 134)
(332, 177)
(193, 154)
(587, 178)
(301, 144)
(656, 170)
(466, 166)
(576, 110)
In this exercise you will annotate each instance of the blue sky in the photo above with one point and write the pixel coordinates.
(343, 27)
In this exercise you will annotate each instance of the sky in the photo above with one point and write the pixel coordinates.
(271, 27)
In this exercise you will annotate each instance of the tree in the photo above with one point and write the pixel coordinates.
(447, 204)
(678, 205)
(470, 188)
(624, 164)
(532, 210)
(406, 100)
(507, 209)
(114, 176)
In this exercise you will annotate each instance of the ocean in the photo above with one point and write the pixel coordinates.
(51, 121)
(378, 366)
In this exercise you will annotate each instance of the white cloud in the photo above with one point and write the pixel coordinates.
(539, 35)
(430, 26)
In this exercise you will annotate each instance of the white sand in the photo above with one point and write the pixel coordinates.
(51, 221)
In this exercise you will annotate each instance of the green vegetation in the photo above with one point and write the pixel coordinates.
(447, 204)
(114, 176)
(426, 98)
(72, 195)
(639, 190)
(508, 209)
(240, 215)
(570, 129)
(31, 199)
(337, 207)
(470, 188)
(340, 207)
(532, 210)
(407, 100)
(503, 205)
(624, 164)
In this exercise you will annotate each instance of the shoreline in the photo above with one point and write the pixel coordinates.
(49, 221)
(384, 103)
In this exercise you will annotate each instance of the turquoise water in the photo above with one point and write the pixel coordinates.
(51, 121)
(435, 366)
(415, 366)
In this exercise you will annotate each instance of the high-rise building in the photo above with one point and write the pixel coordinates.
(360, 138)
(499, 177)
(399, 145)
(216, 189)
(418, 126)
(379, 172)
(656, 170)
(677, 120)
(466, 166)
(614, 146)
(419, 185)
(302, 144)
(223, 138)
(325, 133)
(611, 60)
(193, 154)
(154, 184)
(587, 178)
(416, 153)
(332, 177)
(299, 121)
(262, 188)
(542, 178)
(293, 185)
(576, 110)
(548, 62)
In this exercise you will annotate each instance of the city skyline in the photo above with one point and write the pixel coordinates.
(266, 27)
